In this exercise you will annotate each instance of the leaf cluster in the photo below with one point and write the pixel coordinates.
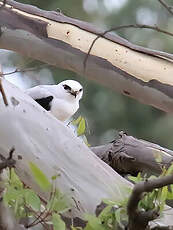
(26, 203)
(80, 125)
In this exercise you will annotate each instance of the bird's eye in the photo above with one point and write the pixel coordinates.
(66, 87)
(80, 90)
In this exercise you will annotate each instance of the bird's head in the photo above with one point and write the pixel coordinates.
(71, 89)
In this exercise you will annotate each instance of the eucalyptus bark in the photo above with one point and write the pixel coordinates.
(127, 154)
(58, 40)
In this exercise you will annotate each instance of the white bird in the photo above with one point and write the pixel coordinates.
(61, 100)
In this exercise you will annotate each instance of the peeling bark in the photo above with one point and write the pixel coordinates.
(58, 40)
(128, 154)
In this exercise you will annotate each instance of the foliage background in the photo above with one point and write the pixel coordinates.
(107, 111)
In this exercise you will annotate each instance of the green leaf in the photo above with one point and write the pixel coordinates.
(58, 223)
(11, 195)
(118, 217)
(40, 177)
(32, 199)
(81, 127)
(163, 197)
(85, 140)
(14, 180)
(94, 223)
(77, 121)
(170, 192)
(55, 176)
(58, 205)
(19, 202)
(136, 179)
(105, 211)
(76, 228)
(148, 201)
(111, 202)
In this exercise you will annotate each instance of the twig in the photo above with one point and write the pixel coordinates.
(39, 219)
(24, 70)
(168, 8)
(140, 218)
(52, 197)
(2, 89)
(7, 162)
(43, 215)
(36, 221)
(3, 93)
(11, 153)
(137, 26)
(76, 204)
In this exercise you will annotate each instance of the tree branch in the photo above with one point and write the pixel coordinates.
(167, 7)
(137, 26)
(139, 219)
(23, 70)
(2, 89)
(46, 33)
(127, 154)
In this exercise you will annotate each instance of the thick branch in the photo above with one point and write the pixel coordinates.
(128, 154)
(137, 26)
(64, 42)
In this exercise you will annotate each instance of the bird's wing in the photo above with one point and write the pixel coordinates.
(45, 102)
(38, 92)
(41, 95)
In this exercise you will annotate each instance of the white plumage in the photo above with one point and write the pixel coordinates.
(61, 100)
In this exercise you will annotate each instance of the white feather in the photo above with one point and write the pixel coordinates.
(64, 104)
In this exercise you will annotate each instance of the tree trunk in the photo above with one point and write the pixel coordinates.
(53, 147)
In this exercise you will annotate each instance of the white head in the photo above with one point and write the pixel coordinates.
(71, 90)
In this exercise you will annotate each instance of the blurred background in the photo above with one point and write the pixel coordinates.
(106, 112)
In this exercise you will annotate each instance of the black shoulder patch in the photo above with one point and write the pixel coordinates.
(45, 102)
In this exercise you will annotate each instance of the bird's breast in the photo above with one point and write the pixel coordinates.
(62, 109)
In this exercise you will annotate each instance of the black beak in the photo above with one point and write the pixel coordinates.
(74, 93)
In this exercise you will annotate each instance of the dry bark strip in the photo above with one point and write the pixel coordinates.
(56, 39)
(127, 154)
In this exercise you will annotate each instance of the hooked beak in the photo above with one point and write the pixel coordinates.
(74, 93)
